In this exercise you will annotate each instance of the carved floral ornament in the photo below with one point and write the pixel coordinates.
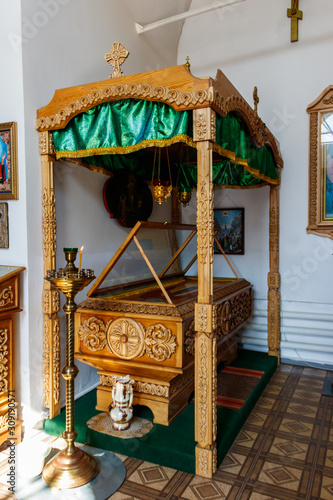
(128, 339)
(6, 296)
(3, 360)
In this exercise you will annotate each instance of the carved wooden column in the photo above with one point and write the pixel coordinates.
(51, 297)
(274, 276)
(205, 342)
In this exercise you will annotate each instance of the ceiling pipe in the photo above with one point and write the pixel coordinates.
(179, 17)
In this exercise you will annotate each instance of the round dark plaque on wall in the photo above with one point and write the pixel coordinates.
(127, 198)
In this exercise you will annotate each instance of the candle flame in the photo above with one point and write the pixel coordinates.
(81, 249)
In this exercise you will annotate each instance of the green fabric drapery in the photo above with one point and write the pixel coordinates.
(114, 135)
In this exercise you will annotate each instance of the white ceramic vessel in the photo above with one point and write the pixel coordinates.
(122, 399)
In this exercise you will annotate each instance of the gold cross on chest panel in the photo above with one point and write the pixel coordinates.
(295, 15)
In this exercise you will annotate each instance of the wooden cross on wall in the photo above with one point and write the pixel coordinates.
(295, 15)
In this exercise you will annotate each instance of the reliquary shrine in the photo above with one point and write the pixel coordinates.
(145, 327)
(157, 311)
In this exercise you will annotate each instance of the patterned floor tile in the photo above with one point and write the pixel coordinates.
(289, 430)
(296, 426)
(302, 410)
(232, 463)
(259, 496)
(154, 476)
(257, 418)
(311, 384)
(326, 492)
(306, 395)
(120, 496)
(280, 475)
(329, 459)
(294, 450)
(272, 389)
(246, 438)
(265, 402)
(330, 439)
(206, 489)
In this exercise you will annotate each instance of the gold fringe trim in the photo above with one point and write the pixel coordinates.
(73, 155)
(126, 149)
(240, 161)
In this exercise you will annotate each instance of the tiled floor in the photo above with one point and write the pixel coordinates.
(284, 451)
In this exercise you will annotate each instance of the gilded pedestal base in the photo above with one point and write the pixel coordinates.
(70, 471)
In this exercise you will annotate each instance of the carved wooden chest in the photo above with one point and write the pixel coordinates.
(145, 327)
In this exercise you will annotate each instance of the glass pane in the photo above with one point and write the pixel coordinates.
(327, 163)
(159, 246)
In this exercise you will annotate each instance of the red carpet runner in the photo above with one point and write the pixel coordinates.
(234, 385)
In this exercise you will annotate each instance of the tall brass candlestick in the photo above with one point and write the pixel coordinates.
(71, 467)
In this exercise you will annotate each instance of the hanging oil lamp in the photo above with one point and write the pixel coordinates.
(184, 196)
(161, 188)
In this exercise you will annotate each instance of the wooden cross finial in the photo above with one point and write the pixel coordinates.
(187, 65)
(255, 99)
(115, 57)
(295, 15)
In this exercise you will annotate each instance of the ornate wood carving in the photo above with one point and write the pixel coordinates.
(3, 360)
(125, 338)
(51, 362)
(274, 276)
(3, 421)
(225, 315)
(51, 301)
(318, 222)
(110, 92)
(179, 311)
(201, 126)
(190, 339)
(92, 333)
(160, 342)
(214, 389)
(313, 166)
(153, 389)
(6, 296)
(51, 298)
(116, 56)
(200, 98)
(206, 461)
(46, 146)
(49, 223)
(274, 322)
(181, 381)
(201, 317)
(46, 362)
(204, 125)
(205, 222)
(128, 339)
(202, 393)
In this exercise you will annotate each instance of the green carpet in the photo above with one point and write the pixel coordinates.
(171, 446)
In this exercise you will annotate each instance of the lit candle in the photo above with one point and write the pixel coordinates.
(80, 258)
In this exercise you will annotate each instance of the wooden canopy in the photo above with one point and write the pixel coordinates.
(206, 97)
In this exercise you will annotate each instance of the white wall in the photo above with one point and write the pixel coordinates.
(250, 43)
(12, 110)
(50, 44)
